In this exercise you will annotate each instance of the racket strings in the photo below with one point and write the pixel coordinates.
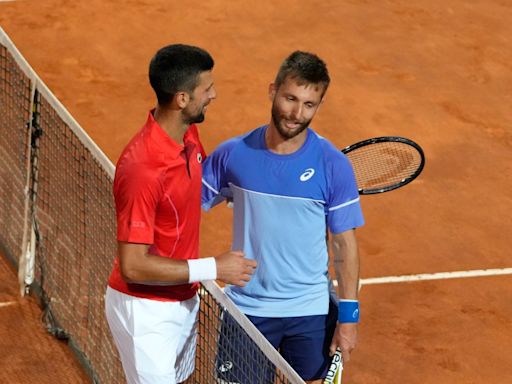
(381, 165)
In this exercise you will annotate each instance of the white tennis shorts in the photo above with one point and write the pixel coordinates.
(156, 340)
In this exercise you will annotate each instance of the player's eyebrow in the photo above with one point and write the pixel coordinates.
(291, 95)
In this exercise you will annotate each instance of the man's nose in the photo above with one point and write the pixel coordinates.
(213, 93)
(296, 112)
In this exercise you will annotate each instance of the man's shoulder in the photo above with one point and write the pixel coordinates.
(324, 143)
(250, 139)
(332, 157)
(139, 162)
(326, 147)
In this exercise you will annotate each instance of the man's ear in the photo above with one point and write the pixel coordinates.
(272, 91)
(182, 99)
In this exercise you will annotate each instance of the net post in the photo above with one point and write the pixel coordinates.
(26, 261)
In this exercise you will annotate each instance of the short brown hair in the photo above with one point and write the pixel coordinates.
(306, 68)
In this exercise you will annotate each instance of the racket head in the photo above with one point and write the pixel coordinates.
(385, 163)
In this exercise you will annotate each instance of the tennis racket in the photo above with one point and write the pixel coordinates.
(385, 163)
(335, 369)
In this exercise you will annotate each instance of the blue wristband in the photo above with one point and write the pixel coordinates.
(348, 311)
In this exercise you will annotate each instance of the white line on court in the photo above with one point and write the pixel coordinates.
(434, 276)
(7, 303)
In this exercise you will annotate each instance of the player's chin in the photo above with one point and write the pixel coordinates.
(244, 281)
(199, 118)
(290, 132)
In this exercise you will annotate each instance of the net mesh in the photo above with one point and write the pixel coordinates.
(230, 349)
(15, 90)
(72, 213)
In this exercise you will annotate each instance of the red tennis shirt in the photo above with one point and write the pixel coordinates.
(157, 191)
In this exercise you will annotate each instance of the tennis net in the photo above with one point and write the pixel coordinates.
(57, 225)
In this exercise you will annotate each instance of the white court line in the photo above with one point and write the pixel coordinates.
(7, 303)
(434, 276)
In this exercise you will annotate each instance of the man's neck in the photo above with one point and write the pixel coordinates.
(278, 144)
(171, 122)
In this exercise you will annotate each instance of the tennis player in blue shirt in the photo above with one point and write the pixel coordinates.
(293, 192)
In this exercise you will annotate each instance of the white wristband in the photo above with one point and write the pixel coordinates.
(202, 269)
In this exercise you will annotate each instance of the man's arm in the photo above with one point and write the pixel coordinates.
(138, 266)
(346, 265)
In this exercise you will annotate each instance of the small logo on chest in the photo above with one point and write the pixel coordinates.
(308, 174)
(199, 158)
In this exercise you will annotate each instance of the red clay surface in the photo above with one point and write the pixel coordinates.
(29, 354)
(436, 71)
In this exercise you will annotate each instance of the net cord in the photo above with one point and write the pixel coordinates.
(271, 353)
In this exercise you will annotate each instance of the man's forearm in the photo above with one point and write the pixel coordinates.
(346, 263)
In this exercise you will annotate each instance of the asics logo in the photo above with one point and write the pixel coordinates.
(308, 174)
(225, 366)
(355, 314)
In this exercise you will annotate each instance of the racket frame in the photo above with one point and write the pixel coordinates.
(384, 139)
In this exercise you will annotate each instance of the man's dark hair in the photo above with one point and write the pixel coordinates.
(176, 68)
(305, 68)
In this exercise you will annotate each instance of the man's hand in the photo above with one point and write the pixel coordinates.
(233, 268)
(345, 339)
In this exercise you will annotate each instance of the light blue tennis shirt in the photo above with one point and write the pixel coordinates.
(283, 205)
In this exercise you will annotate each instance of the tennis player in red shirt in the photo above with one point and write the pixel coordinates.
(151, 299)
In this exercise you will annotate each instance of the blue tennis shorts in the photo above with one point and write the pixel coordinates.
(302, 341)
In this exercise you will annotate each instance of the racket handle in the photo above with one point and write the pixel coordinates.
(334, 373)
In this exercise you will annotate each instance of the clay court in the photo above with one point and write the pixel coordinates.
(438, 72)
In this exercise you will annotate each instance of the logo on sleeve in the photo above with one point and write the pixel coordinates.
(308, 174)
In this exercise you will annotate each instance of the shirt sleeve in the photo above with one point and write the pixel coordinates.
(215, 182)
(136, 195)
(343, 206)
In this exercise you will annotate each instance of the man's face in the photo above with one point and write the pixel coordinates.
(202, 95)
(294, 106)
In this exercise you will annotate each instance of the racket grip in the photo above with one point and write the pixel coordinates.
(334, 373)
